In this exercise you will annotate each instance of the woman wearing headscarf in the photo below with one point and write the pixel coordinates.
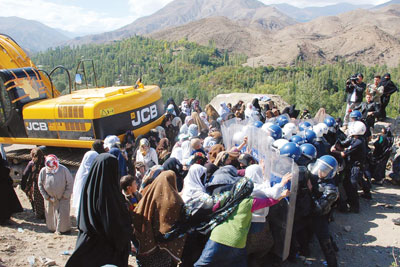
(80, 178)
(196, 106)
(104, 223)
(172, 164)
(185, 108)
(146, 154)
(195, 192)
(227, 242)
(55, 185)
(256, 105)
(159, 209)
(388, 89)
(163, 150)
(29, 182)
(171, 101)
(211, 113)
(202, 127)
(185, 127)
(194, 183)
(214, 151)
(224, 110)
(8, 199)
(203, 116)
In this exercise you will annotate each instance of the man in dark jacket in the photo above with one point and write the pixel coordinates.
(388, 89)
(355, 88)
(369, 110)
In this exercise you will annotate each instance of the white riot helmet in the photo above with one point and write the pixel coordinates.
(266, 125)
(238, 138)
(319, 130)
(289, 130)
(324, 127)
(357, 128)
(279, 143)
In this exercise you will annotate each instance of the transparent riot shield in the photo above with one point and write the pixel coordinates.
(281, 215)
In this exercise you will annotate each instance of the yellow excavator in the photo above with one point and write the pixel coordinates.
(33, 112)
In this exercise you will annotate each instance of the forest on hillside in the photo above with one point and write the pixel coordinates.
(202, 72)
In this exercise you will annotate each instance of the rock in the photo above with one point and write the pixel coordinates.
(347, 228)
(47, 261)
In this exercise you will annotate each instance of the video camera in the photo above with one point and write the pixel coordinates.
(353, 78)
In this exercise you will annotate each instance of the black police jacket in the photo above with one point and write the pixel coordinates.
(324, 194)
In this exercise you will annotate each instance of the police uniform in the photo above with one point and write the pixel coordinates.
(324, 194)
(356, 157)
(302, 219)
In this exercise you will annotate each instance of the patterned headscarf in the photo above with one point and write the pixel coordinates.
(52, 164)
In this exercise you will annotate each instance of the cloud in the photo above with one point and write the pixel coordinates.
(63, 16)
(141, 8)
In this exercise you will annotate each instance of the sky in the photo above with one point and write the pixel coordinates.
(94, 16)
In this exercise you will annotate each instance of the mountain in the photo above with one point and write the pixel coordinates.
(31, 35)
(352, 36)
(393, 2)
(229, 35)
(179, 12)
(310, 13)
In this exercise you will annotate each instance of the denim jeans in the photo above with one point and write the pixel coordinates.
(218, 255)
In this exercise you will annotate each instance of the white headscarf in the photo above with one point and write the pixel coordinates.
(80, 178)
(193, 187)
(255, 174)
(223, 110)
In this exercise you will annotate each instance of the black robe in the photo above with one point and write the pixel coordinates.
(104, 223)
(9, 202)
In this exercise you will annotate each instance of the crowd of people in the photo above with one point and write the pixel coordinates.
(214, 188)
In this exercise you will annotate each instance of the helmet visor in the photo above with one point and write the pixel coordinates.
(321, 169)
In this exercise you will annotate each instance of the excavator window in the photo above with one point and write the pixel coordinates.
(24, 85)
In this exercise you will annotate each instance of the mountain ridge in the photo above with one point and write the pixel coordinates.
(39, 36)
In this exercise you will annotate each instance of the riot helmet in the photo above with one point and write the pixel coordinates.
(325, 167)
(291, 150)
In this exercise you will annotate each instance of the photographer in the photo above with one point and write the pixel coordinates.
(355, 88)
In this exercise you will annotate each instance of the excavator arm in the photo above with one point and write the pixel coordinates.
(12, 56)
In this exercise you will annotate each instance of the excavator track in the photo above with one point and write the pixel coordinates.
(18, 157)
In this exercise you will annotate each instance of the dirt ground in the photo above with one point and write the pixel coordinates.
(368, 241)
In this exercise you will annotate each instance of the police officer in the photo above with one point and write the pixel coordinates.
(355, 154)
(324, 193)
(334, 132)
(303, 200)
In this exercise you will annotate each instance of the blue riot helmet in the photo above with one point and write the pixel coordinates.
(310, 136)
(309, 151)
(325, 167)
(356, 115)
(258, 124)
(330, 121)
(275, 131)
(297, 139)
(309, 154)
(304, 126)
(291, 150)
(282, 120)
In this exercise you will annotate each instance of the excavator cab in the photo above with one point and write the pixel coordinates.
(17, 88)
